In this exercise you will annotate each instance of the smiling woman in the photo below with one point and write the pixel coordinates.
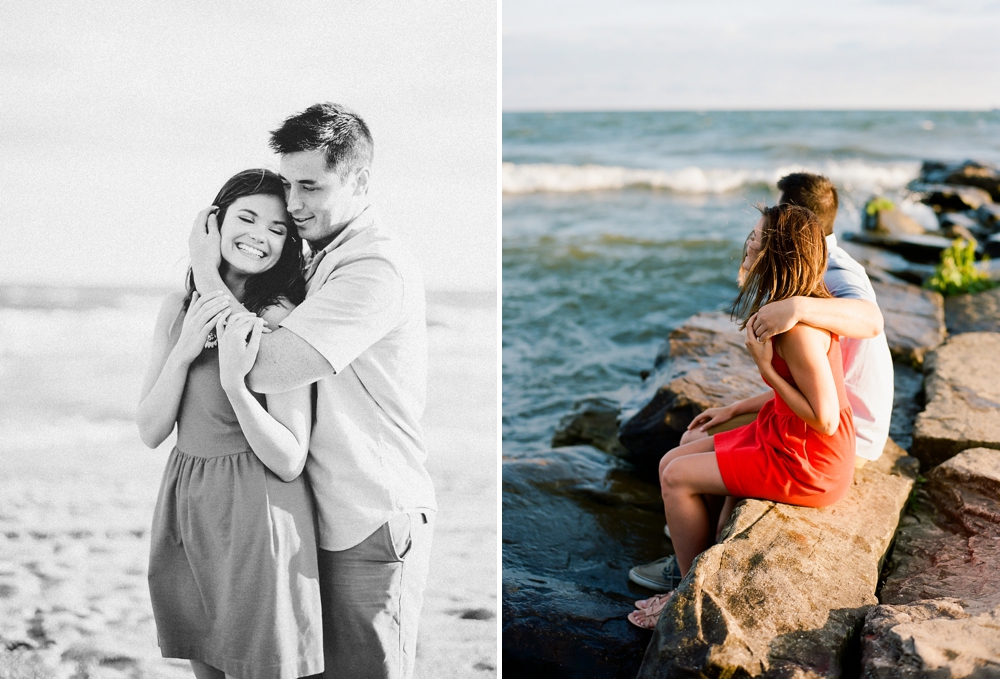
(237, 462)
(253, 219)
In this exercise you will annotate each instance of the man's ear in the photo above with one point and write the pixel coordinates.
(361, 182)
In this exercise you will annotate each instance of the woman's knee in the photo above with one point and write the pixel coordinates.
(671, 477)
(665, 460)
(690, 435)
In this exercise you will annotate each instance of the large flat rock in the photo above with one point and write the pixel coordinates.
(879, 262)
(574, 521)
(913, 320)
(919, 248)
(973, 313)
(963, 398)
(940, 612)
(593, 422)
(785, 592)
(708, 367)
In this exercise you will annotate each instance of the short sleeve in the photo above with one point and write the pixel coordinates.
(358, 304)
(847, 279)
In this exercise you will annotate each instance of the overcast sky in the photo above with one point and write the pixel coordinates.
(121, 119)
(735, 54)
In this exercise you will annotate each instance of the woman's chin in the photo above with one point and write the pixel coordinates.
(245, 266)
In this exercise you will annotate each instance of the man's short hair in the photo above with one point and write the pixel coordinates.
(813, 192)
(336, 130)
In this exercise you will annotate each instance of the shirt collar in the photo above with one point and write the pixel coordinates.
(362, 221)
(831, 242)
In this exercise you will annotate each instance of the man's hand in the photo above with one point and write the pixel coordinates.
(774, 318)
(205, 244)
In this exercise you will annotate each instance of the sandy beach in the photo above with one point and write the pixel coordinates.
(77, 490)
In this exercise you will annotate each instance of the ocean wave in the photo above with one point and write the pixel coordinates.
(847, 174)
(56, 433)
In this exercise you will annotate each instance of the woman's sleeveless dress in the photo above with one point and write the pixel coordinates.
(233, 565)
(779, 457)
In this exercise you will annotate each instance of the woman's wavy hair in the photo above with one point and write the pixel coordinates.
(791, 262)
(282, 281)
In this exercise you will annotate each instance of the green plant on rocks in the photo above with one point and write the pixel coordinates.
(957, 273)
(876, 205)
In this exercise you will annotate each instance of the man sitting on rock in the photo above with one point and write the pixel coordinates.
(852, 313)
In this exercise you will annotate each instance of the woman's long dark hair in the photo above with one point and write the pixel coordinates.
(791, 262)
(282, 281)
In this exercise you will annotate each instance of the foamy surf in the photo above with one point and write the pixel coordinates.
(848, 174)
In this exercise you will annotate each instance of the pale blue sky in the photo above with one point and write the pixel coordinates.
(732, 54)
(121, 119)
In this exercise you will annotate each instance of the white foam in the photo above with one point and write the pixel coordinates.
(847, 174)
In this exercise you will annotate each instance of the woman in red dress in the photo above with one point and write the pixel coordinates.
(800, 449)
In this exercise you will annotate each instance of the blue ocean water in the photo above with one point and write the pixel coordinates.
(618, 226)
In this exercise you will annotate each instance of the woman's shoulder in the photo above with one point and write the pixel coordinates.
(173, 301)
(172, 305)
(802, 338)
(170, 310)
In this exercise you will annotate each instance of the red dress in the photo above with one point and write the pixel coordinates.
(779, 457)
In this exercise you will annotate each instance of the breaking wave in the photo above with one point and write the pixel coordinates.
(848, 174)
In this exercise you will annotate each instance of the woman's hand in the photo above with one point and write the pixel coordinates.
(239, 341)
(205, 243)
(761, 352)
(202, 315)
(711, 418)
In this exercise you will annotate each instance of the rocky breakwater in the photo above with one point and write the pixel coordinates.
(964, 198)
(963, 398)
(787, 589)
(940, 603)
(703, 365)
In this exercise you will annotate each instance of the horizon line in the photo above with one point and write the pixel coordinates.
(995, 109)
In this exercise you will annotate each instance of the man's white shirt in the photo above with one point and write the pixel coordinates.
(868, 373)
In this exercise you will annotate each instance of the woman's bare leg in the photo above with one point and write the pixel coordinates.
(695, 434)
(702, 445)
(683, 480)
(727, 511)
(697, 446)
(205, 671)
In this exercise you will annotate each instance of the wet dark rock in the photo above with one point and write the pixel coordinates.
(593, 422)
(973, 313)
(988, 216)
(879, 262)
(907, 401)
(709, 367)
(940, 611)
(892, 221)
(961, 225)
(950, 197)
(963, 398)
(954, 231)
(574, 521)
(923, 249)
(785, 592)
(992, 246)
(913, 319)
(967, 173)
